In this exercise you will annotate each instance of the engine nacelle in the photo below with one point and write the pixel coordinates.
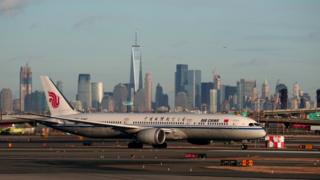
(199, 141)
(152, 136)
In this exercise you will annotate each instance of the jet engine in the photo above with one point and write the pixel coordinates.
(152, 136)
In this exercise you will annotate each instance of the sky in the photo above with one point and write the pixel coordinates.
(274, 40)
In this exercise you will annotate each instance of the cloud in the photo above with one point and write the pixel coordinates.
(12, 7)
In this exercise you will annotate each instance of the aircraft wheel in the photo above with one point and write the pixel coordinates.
(244, 147)
(160, 146)
(135, 145)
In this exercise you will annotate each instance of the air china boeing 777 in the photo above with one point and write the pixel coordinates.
(152, 128)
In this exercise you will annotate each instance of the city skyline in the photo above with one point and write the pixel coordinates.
(253, 46)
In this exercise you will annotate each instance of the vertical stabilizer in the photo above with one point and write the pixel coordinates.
(57, 103)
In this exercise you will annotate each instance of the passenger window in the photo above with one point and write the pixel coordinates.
(251, 124)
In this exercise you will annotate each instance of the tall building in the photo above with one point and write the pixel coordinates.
(305, 101)
(213, 101)
(181, 78)
(193, 88)
(245, 89)
(25, 84)
(296, 90)
(136, 66)
(294, 103)
(84, 91)
(205, 94)
(161, 98)
(139, 101)
(181, 101)
(229, 94)
(318, 98)
(16, 105)
(217, 81)
(60, 86)
(36, 102)
(6, 101)
(265, 90)
(148, 92)
(282, 96)
(108, 102)
(120, 97)
(217, 86)
(97, 95)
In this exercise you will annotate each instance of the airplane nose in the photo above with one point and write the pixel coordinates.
(263, 132)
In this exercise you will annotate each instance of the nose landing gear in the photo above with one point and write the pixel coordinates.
(244, 146)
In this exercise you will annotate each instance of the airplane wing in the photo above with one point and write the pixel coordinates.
(121, 127)
(116, 126)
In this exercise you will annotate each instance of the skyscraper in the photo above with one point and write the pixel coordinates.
(294, 103)
(245, 89)
(193, 88)
(217, 86)
(161, 98)
(97, 95)
(139, 101)
(296, 90)
(148, 92)
(6, 101)
(181, 78)
(265, 91)
(229, 94)
(181, 101)
(282, 95)
(217, 81)
(205, 94)
(84, 91)
(108, 102)
(36, 102)
(136, 66)
(213, 101)
(25, 84)
(120, 97)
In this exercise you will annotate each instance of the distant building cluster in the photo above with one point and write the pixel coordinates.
(191, 94)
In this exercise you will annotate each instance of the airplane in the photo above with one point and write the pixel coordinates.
(147, 128)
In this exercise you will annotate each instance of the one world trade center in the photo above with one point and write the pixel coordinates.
(136, 67)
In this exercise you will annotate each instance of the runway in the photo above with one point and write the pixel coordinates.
(65, 158)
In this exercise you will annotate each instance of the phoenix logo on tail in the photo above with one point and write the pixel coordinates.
(54, 99)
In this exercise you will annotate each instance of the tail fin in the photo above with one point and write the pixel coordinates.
(57, 103)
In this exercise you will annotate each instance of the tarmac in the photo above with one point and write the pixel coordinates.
(65, 157)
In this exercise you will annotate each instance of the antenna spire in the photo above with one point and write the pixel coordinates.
(136, 39)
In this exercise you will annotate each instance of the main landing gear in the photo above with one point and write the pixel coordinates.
(160, 146)
(139, 145)
(244, 146)
(135, 145)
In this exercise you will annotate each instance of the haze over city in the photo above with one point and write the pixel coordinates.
(255, 40)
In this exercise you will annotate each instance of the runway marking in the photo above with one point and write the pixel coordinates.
(266, 151)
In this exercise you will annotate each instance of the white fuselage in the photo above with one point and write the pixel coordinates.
(180, 126)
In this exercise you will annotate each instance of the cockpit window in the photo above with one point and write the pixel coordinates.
(254, 124)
